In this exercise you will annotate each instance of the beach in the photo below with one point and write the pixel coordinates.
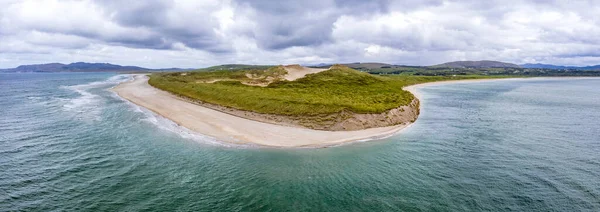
(237, 130)
(232, 129)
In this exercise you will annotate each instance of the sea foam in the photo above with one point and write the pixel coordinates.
(88, 104)
(169, 126)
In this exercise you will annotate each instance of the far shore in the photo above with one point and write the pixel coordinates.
(414, 88)
(233, 129)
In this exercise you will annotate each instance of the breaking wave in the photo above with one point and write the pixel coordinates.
(88, 104)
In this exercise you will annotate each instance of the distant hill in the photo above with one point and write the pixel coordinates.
(544, 66)
(367, 65)
(596, 67)
(234, 67)
(317, 65)
(364, 66)
(549, 66)
(358, 66)
(80, 67)
(477, 64)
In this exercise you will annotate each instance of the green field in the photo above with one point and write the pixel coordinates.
(332, 91)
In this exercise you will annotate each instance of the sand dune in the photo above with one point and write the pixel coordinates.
(296, 71)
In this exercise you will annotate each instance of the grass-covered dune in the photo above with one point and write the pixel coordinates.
(330, 96)
(331, 91)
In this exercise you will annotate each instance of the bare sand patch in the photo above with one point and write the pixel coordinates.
(296, 71)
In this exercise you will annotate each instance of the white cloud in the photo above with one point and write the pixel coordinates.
(187, 33)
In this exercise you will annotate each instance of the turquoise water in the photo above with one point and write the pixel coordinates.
(69, 144)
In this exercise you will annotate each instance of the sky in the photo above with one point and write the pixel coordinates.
(200, 33)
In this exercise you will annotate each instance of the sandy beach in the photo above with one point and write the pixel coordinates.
(228, 128)
(233, 129)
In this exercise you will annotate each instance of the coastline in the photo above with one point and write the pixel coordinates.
(414, 88)
(237, 130)
(233, 129)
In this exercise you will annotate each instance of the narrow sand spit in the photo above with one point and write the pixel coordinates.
(233, 129)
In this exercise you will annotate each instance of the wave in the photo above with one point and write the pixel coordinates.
(169, 126)
(87, 104)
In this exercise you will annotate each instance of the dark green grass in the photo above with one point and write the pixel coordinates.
(331, 91)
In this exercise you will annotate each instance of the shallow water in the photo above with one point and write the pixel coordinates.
(67, 143)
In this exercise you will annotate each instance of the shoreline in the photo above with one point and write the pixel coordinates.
(228, 128)
(355, 121)
(233, 129)
(414, 88)
(236, 130)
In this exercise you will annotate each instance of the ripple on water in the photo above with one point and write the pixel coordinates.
(476, 147)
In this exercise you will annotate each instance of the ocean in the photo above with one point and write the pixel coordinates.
(67, 143)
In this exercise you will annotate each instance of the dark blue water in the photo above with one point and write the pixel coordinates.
(69, 144)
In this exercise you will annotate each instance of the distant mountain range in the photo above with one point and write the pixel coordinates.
(107, 67)
(81, 67)
(470, 64)
(477, 64)
(455, 64)
(548, 66)
(371, 65)
(361, 66)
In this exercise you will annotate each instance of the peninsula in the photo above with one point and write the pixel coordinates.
(282, 106)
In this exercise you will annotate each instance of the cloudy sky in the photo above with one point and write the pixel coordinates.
(199, 33)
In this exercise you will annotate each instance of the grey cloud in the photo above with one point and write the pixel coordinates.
(156, 16)
(313, 30)
(284, 24)
(148, 13)
(152, 24)
(287, 6)
(154, 41)
(278, 34)
(149, 43)
(360, 6)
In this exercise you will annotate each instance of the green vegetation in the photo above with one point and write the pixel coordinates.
(332, 91)
(235, 67)
(244, 76)
(446, 71)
